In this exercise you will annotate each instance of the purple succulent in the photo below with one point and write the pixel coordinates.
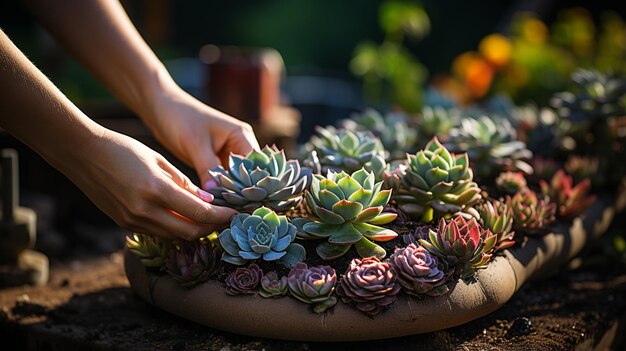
(418, 233)
(419, 272)
(193, 262)
(244, 280)
(313, 285)
(369, 284)
(273, 286)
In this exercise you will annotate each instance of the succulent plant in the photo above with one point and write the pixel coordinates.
(261, 178)
(583, 167)
(419, 232)
(570, 201)
(531, 214)
(345, 150)
(273, 286)
(497, 217)
(543, 168)
(437, 121)
(347, 210)
(313, 285)
(244, 280)
(152, 251)
(595, 96)
(419, 272)
(262, 235)
(492, 146)
(193, 262)
(435, 184)
(392, 129)
(511, 182)
(369, 284)
(463, 244)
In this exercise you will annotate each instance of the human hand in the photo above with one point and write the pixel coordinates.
(197, 134)
(141, 191)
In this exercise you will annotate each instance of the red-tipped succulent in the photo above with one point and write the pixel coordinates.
(498, 218)
(570, 201)
(511, 182)
(462, 243)
(531, 214)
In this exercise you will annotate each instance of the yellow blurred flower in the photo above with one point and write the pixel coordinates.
(496, 48)
(534, 31)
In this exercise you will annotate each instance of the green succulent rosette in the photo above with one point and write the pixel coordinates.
(347, 210)
(392, 129)
(492, 146)
(595, 96)
(435, 184)
(261, 178)
(344, 150)
(152, 251)
(262, 235)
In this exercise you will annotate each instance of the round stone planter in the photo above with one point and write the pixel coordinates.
(288, 319)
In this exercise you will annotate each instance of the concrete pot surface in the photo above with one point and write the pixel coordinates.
(288, 319)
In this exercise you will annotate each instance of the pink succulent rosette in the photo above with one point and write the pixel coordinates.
(244, 280)
(313, 285)
(419, 272)
(369, 284)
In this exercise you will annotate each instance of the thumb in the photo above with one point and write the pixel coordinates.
(203, 160)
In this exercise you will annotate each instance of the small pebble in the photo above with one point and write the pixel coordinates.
(521, 326)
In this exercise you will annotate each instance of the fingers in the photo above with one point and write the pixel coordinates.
(191, 202)
(203, 161)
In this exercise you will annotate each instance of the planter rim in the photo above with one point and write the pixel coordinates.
(288, 319)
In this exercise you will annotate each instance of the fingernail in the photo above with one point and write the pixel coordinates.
(206, 197)
(209, 184)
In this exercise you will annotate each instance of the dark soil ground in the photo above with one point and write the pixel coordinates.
(88, 305)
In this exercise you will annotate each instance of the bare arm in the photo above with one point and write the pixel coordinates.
(102, 37)
(134, 185)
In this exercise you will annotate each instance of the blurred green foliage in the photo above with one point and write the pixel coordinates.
(392, 75)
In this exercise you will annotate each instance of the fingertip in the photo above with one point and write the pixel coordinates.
(205, 196)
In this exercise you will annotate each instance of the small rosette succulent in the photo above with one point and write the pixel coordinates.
(369, 284)
(273, 286)
(511, 182)
(570, 201)
(595, 96)
(244, 280)
(193, 262)
(346, 210)
(498, 218)
(492, 146)
(437, 121)
(262, 235)
(261, 178)
(463, 244)
(531, 214)
(419, 272)
(345, 150)
(414, 236)
(435, 184)
(152, 251)
(392, 129)
(313, 285)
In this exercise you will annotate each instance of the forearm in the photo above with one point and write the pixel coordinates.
(101, 36)
(37, 113)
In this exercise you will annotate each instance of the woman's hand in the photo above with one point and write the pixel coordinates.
(143, 192)
(197, 134)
